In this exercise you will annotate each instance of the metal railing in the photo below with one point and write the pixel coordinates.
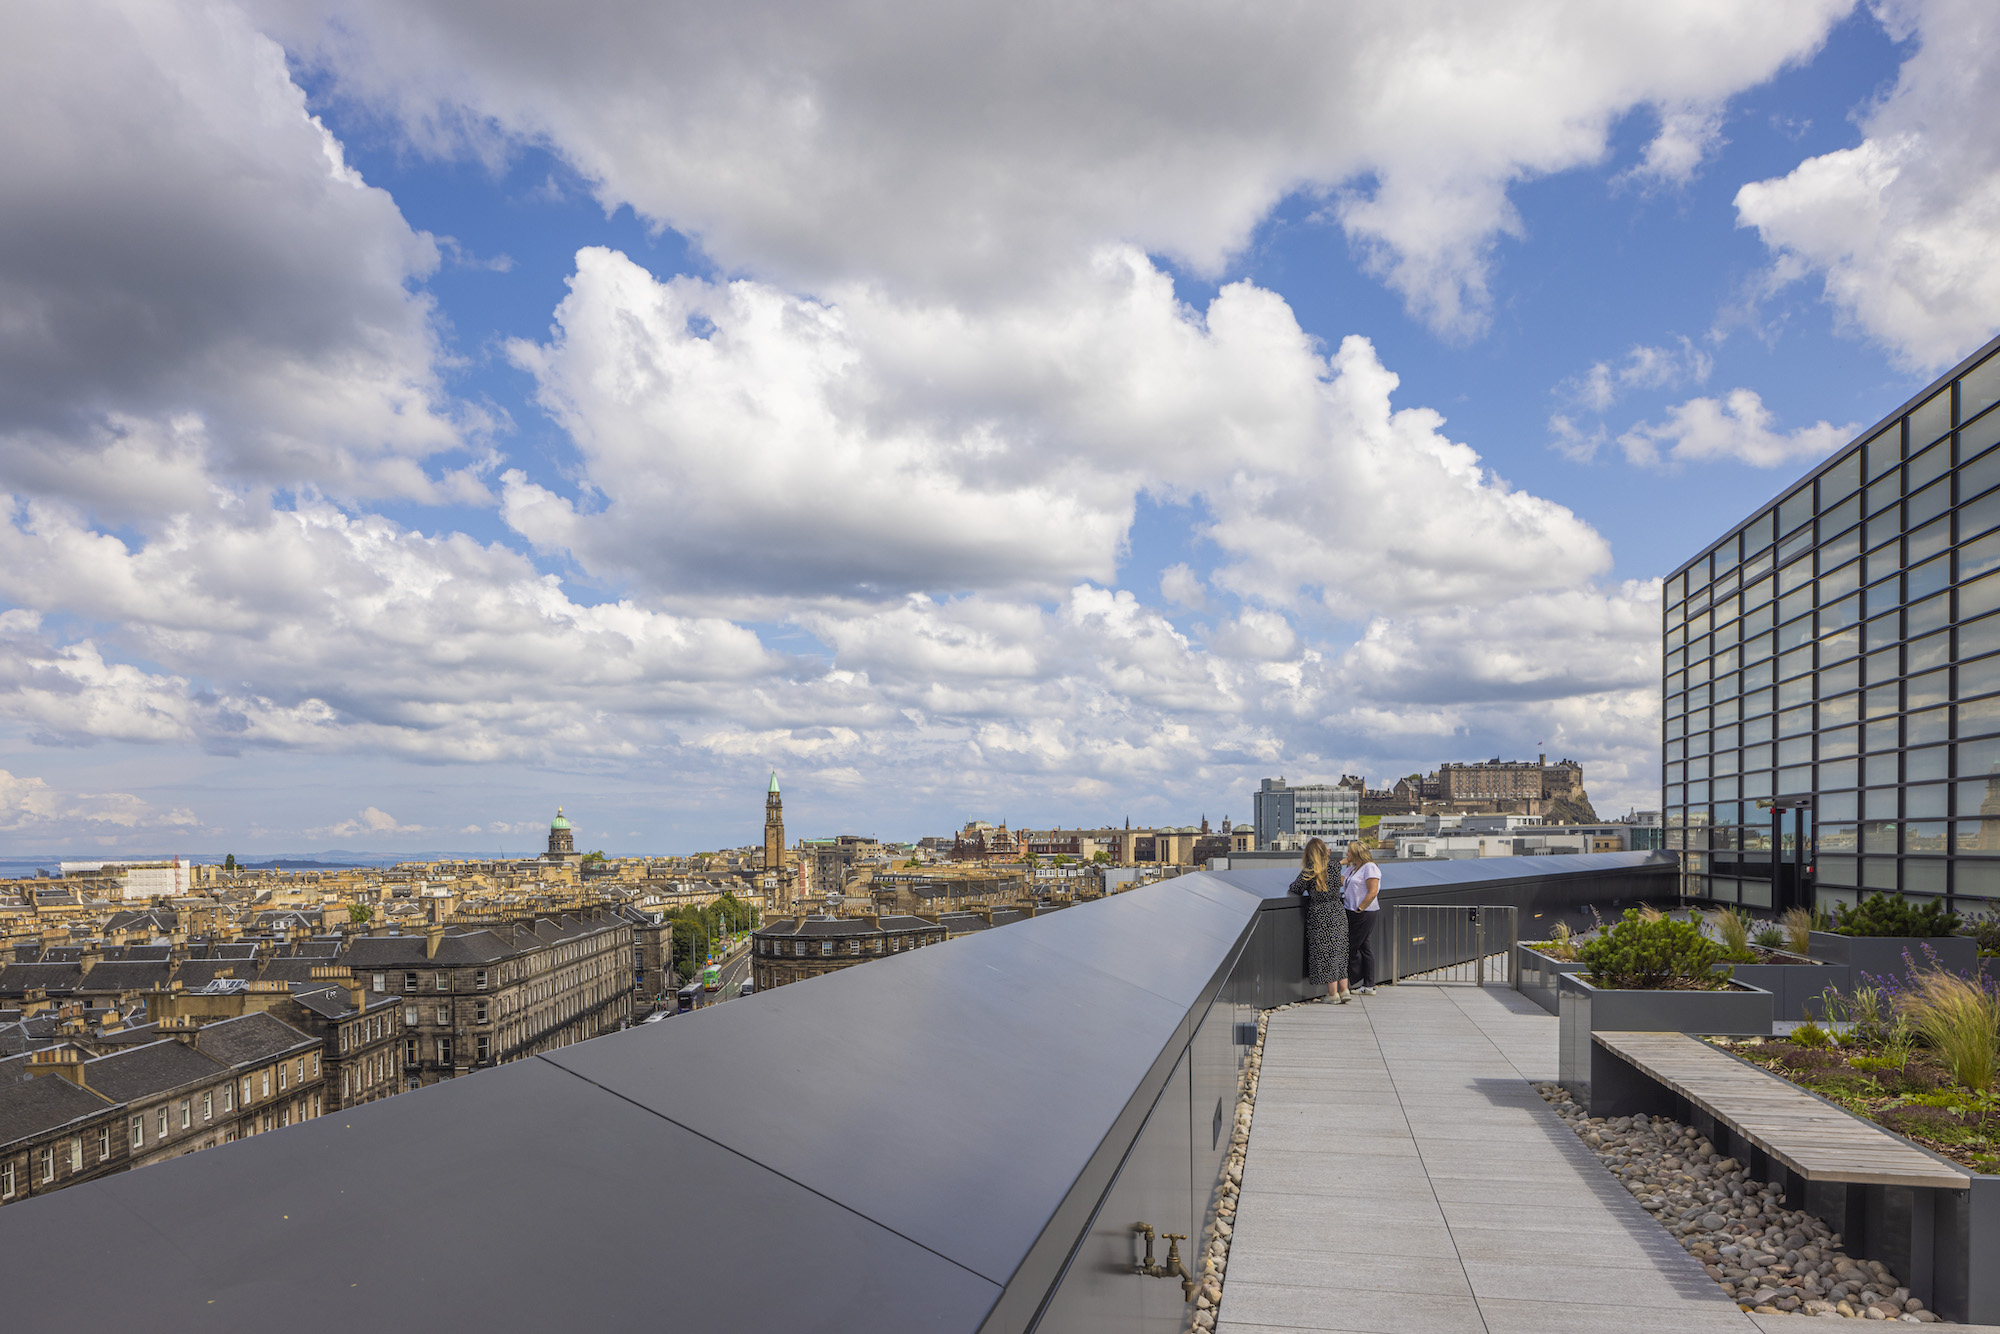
(1452, 942)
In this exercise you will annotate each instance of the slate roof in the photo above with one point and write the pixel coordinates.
(251, 1039)
(17, 978)
(289, 970)
(156, 919)
(200, 972)
(127, 975)
(328, 1000)
(49, 1102)
(147, 1071)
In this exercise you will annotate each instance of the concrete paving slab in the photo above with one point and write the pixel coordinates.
(1403, 1178)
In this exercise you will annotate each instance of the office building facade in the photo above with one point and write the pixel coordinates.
(1839, 654)
(1286, 816)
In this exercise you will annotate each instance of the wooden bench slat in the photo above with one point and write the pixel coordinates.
(1813, 1139)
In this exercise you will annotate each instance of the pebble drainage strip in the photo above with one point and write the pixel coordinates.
(1215, 1239)
(1772, 1260)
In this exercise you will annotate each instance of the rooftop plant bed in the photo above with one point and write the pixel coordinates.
(1894, 915)
(1919, 1057)
(1648, 951)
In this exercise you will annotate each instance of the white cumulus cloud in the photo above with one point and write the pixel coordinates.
(195, 288)
(1737, 426)
(968, 149)
(1903, 226)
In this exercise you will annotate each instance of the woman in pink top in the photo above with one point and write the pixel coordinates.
(1361, 890)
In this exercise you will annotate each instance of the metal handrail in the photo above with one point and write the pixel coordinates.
(1453, 936)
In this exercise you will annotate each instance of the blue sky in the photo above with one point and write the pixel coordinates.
(964, 428)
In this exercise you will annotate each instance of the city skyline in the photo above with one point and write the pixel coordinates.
(424, 424)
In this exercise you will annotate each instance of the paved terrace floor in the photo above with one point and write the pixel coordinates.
(1403, 1178)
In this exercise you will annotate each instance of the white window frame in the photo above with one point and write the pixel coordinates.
(163, 1121)
(381, 981)
(208, 1104)
(48, 1163)
(139, 1131)
(7, 1180)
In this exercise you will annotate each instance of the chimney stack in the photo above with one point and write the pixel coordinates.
(432, 939)
(64, 1061)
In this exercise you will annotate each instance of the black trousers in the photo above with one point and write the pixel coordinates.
(1361, 948)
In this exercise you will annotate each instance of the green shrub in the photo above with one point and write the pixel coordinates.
(1657, 954)
(1810, 1034)
(1986, 930)
(1771, 938)
(1893, 915)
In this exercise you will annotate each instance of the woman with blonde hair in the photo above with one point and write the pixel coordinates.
(1361, 892)
(1326, 923)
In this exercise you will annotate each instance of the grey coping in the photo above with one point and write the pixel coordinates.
(1461, 1203)
(1401, 880)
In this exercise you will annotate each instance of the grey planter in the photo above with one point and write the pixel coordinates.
(1741, 1011)
(1795, 987)
(1535, 975)
(1882, 956)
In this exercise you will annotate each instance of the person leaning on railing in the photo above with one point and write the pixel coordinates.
(1326, 923)
(1361, 890)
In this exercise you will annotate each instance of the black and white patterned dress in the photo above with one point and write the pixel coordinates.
(1326, 931)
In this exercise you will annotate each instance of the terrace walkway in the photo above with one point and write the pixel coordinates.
(1403, 1178)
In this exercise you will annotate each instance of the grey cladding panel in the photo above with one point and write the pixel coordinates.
(954, 1094)
(520, 1199)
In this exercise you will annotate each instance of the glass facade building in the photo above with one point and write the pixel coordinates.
(1842, 647)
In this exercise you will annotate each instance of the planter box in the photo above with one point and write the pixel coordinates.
(1882, 956)
(1741, 1011)
(1795, 987)
(1535, 975)
(1940, 1242)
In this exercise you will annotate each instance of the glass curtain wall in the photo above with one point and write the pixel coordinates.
(1844, 644)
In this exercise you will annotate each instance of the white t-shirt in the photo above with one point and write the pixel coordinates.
(1354, 886)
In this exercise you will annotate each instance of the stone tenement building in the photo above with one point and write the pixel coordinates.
(932, 892)
(479, 997)
(67, 1116)
(794, 948)
(83, 1092)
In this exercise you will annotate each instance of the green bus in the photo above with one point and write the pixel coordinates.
(711, 977)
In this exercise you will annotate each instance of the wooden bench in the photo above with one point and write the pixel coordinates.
(1814, 1140)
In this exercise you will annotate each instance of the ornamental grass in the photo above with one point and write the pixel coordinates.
(1959, 1020)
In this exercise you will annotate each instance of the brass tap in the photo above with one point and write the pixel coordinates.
(1173, 1268)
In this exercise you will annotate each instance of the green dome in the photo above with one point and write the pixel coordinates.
(559, 822)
